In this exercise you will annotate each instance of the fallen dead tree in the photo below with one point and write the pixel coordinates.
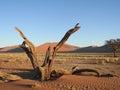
(5, 77)
(45, 71)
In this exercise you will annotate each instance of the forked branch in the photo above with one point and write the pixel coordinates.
(64, 39)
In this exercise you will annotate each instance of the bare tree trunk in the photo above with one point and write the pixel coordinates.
(30, 50)
(43, 72)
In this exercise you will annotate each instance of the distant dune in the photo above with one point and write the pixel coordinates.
(65, 47)
(93, 49)
(15, 48)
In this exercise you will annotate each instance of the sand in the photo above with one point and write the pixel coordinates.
(66, 82)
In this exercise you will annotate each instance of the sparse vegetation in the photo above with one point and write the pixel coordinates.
(102, 62)
(114, 44)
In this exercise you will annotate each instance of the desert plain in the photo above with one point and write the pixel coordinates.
(20, 65)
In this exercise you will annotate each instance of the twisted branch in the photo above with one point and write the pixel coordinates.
(29, 48)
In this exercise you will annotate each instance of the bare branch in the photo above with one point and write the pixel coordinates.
(29, 48)
(47, 57)
(66, 36)
(64, 39)
(30, 44)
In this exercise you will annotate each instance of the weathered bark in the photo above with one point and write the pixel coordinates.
(5, 77)
(114, 53)
(79, 71)
(30, 50)
(74, 71)
(43, 72)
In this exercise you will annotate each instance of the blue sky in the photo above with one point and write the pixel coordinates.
(48, 20)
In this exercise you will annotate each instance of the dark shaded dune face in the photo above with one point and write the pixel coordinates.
(15, 48)
(93, 49)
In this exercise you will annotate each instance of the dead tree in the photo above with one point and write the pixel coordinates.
(44, 72)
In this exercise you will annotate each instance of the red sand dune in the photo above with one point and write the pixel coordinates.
(65, 47)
